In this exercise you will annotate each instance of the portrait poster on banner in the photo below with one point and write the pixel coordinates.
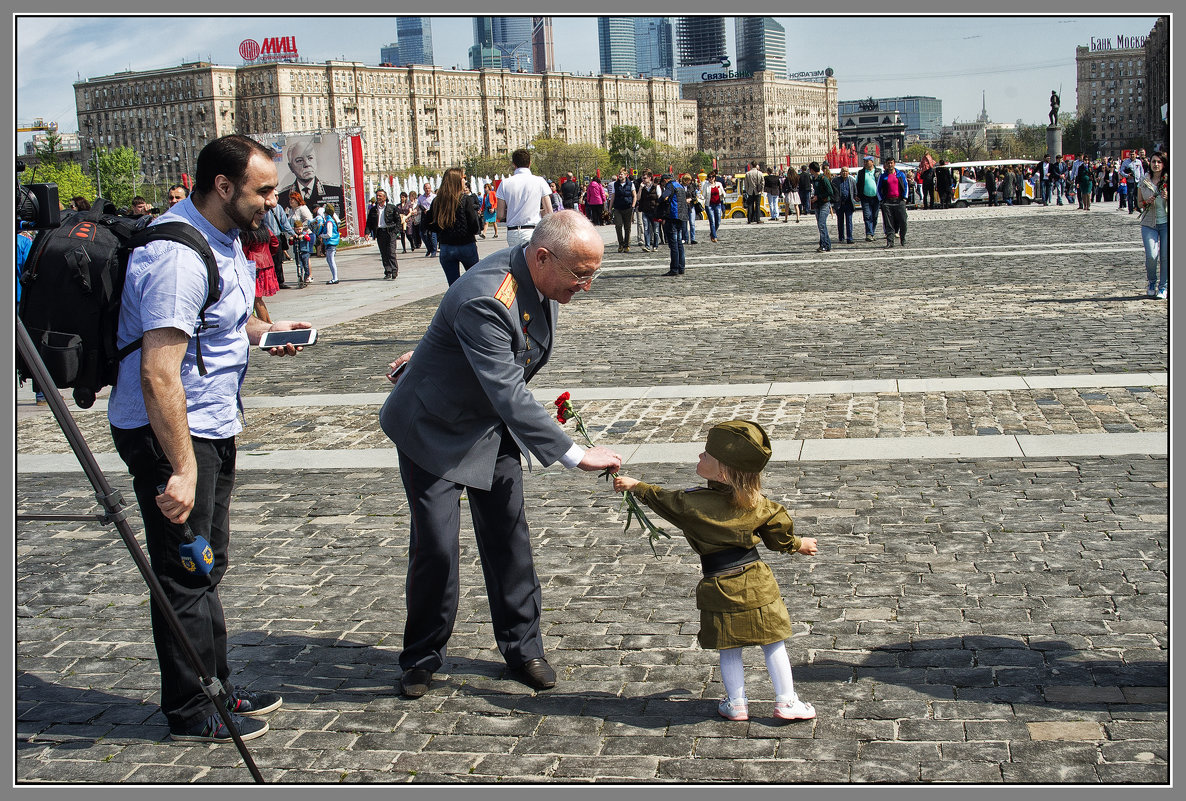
(311, 165)
(325, 167)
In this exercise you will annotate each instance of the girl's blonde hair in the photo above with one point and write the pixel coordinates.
(746, 488)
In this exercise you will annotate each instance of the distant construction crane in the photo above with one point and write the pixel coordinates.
(39, 124)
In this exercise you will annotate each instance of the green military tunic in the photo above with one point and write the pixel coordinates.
(744, 608)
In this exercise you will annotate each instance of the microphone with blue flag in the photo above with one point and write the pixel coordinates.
(196, 554)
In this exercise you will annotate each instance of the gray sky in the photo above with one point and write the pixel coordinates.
(1014, 60)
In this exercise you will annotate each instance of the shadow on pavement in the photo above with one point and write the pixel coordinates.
(1047, 671)
(321, 672)
(1112, 299)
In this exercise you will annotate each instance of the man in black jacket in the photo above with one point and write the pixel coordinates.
(570, 192)
(943, 183)
(384, 220)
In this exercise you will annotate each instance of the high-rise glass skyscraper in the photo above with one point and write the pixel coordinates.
(513, 34)
(415, 40)
(542, 58)
(615, 40)
(699, 42)
(761, 45)
(653, 54)
(501, 42)
(484, 55)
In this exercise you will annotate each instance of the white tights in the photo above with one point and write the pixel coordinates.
(778, 664)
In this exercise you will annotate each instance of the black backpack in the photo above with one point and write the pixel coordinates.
(71, 287)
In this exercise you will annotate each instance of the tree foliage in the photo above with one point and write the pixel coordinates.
(623, 139)
(1076, 135)
(49, 151)
(119, 173)
(67, 175)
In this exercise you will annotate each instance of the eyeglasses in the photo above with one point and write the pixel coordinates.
(584, 281)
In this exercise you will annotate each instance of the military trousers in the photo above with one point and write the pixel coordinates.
(432, 587)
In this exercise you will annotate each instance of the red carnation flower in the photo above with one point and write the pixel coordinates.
(634, 511)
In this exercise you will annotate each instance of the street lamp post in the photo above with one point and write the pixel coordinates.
(95, 157)
(184, 150)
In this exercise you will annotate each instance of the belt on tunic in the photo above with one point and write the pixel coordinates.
(727, 562)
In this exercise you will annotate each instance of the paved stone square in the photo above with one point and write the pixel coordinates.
(984, 620)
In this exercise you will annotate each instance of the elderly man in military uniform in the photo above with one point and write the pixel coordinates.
(462, 418)
(302, 160)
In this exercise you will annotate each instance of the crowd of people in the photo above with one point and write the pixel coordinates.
(459, 413)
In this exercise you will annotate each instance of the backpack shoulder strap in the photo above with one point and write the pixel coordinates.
(185, 234)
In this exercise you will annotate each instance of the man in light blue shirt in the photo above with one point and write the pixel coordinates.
(174, 423)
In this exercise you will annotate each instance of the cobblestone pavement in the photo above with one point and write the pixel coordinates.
(980, 621)
(628, 421)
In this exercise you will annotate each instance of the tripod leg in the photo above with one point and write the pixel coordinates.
(113, 503)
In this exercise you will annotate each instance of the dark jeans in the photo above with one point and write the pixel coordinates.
(844, 222)
(194, 596)
(278, 259)
(454, 257)
(428, 237)
(821, 221)
(675, 231)
(893, 214)
(869, 212)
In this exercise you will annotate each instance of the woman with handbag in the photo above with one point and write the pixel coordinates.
(595, 201)
(1153, 199)
(489, 211)
(453, 217)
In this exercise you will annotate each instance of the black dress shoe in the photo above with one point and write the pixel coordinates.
(537, 674)
(414, 682)
(670, 272)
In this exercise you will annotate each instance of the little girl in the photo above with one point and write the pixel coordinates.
(738, 598)
(303, 248)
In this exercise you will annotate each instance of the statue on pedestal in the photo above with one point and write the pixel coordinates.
(1054, 103)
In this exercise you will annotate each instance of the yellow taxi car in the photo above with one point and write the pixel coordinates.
(735, 204)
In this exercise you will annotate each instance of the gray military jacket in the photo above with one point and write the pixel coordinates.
(468, 377)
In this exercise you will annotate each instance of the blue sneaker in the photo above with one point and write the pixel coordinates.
(733, 710)
(213, 730)
(251, 704)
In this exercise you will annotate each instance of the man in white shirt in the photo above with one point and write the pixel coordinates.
(429, 237)
(524, 199)
(1133, 168)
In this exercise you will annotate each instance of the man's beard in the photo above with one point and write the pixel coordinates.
(231, 209)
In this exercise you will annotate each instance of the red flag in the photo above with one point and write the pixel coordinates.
(714, 164)
(598, 173)
(185, 180)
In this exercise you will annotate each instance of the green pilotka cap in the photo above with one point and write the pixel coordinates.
(740, 444)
